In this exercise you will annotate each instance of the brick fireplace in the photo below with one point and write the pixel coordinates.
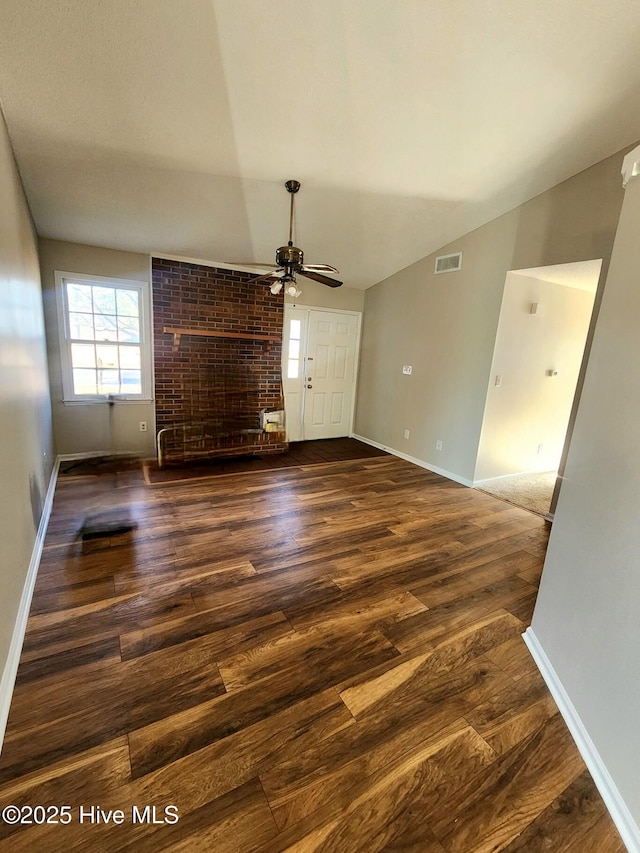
(210, 388)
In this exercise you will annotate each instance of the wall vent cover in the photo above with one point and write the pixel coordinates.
(448, 263)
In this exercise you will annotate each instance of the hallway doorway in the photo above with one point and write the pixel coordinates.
(540, 344)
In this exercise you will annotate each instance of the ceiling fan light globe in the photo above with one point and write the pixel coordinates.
(276, 287)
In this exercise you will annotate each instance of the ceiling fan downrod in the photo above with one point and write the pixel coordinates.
(290, 256)
(292, 187)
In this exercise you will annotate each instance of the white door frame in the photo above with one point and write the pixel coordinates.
(305, 337)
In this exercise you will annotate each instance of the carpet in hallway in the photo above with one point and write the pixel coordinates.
(529, 491)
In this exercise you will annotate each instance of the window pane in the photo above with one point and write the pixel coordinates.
(294, 349)
(127, 303)
(79, 297)
(107, 356)
(84, 381)
(294, 329)
(104, 300)
(83, 355)
(130, 382)
(108, 382)
(130, 357)
(292, 368)
(81, 326)
(128, 329)
(106, 329)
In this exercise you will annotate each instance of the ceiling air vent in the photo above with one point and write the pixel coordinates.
(448, 263)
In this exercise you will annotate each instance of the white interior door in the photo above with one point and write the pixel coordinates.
(319, 372)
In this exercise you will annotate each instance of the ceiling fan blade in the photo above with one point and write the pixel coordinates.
(270, 276)
(261, 266)
(318, 268)
(323, 279)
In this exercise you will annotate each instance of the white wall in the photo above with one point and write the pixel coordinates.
(586, 617)
(526, 417)
(92, 427)
(26, 449)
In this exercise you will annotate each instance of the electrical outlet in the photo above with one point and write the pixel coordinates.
(498, 381)
(143, 426)
(406, 433)
(438, 445)
(540, 446)
(407, 369)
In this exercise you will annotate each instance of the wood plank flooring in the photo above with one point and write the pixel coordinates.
(299, 453)
(325, 658)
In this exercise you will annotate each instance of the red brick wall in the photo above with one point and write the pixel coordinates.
(215, 379)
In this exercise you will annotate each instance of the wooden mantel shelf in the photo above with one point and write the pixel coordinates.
(211, 333)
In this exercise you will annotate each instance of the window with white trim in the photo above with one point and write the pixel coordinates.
(104, 337)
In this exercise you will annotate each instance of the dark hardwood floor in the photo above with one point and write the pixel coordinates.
(312, 659)
(299, 453)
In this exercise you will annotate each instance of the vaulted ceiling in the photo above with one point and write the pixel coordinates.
(171, 125)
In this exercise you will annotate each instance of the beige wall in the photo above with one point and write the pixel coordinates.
(586, 616)
(445, 325)
(92, 427)
(315, 295)
(526, 417)
(26, 451)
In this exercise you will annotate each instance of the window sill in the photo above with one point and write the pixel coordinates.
(101, 401)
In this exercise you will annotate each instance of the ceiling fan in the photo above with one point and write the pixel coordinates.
(290, 262)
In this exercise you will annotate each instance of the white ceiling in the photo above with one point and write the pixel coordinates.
(582, 275)
(171, 125)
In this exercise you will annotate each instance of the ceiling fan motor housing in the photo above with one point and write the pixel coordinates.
(287, 256)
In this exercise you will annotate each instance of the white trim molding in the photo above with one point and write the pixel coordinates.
(8, 679)
(631, 166)
(419, 462)
(144, 345)
(254, 269)
(98, 454)
(620, 814)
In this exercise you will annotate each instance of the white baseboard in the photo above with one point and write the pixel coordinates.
(626, 825)
(421, 463)
(96, 454)
(8, 679)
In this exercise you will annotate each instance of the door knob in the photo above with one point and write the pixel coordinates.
(309, 386)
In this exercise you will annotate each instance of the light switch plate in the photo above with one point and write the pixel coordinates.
(406, 369)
